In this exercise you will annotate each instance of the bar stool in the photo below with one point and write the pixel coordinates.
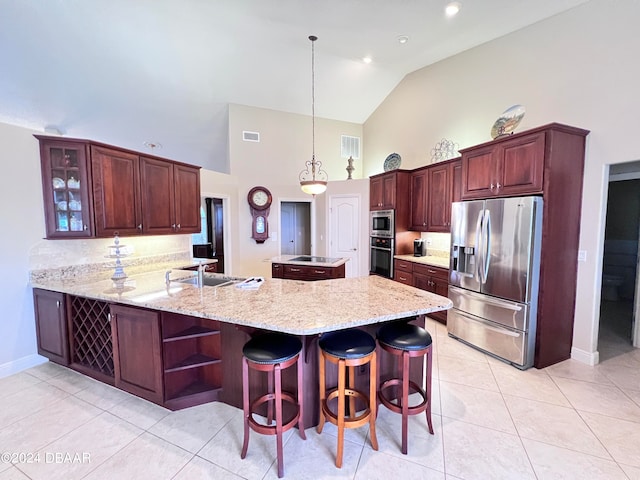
(348, 348)
(272, 353)
(406, 340)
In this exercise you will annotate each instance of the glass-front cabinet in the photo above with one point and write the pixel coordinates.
(66, 188)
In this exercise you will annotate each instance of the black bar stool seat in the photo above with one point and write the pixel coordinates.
(406, 341)
(348, 349)
(272, 353)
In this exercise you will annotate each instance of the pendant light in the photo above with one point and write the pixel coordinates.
(313, 180)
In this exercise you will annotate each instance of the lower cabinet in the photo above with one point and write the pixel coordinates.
(51, 325)
(137, 354)
(424, 277)
(192, 366)
(303, 272)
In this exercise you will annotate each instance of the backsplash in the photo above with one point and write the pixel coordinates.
(66, 259)
(438, 244)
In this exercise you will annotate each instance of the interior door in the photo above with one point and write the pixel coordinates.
(344, 213)
(295, 228)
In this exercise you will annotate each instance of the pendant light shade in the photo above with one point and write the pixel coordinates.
(313, 180)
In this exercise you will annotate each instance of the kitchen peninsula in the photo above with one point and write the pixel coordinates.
(180, 345)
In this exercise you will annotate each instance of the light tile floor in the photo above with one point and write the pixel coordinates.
(491, 421)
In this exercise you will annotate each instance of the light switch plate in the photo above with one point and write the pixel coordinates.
(582, 255)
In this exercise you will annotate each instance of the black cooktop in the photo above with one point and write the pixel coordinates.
(310, 258)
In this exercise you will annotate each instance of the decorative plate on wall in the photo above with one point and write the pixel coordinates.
(392, 162)
(508, 121)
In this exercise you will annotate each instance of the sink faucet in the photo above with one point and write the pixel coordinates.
(201, 269)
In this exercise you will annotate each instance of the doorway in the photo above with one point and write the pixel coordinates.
(210, 242)
(295, 228)
(618, 329)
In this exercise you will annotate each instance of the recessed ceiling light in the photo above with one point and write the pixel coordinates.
(367, 59)
(452, 8)
(402, 39)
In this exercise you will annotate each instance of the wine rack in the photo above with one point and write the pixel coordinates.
(91, 344)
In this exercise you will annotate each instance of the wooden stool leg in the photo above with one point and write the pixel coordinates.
(278, 406)
(352, 385)
(323, 393)
(405, 399)
(428, 391)
(300, 366)
(270, 402)
(342, 370)
(378, 382)
(373, 400)
(245, 405)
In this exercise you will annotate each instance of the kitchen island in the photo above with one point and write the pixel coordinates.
(179, 345)
(307, 267)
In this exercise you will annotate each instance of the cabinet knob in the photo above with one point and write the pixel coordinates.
(139, 226)
(498, 186)
(491, 187)
(109, 317)
(58, 303)
(173, 226)
(85, 228)
(179, 227)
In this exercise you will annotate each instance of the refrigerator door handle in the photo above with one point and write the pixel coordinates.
(478, 252)
(489, 326)
(486, 243)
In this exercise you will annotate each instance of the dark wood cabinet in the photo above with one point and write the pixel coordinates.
(419, 195)
(66, 173)
(137, 354)
(433, 188)
(425, 277)
(304, 272)
(192, 360)
(546, 161)
(116, 192)
(505, 168)
(51, 325)
(96, 190)
(170, 197)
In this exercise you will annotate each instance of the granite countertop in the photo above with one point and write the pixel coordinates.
(289, 306)
(433, 260)
(314, 260)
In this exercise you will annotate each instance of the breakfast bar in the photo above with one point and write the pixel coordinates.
(194, 336)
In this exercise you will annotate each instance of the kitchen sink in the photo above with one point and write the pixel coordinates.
(209, 281)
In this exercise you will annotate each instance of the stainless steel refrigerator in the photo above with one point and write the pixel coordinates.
(494, 273)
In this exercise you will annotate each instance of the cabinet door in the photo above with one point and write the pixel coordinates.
(522, 165)
(51, 325)
(157, 196)
(187, 198)
(456, 182)
(419, 201)
(115, 192)
(277, 270)
(403, 277)
(137, 354)
(389, 191)
(65, 185)
(375, 193)
(479, 173)
(421, 281)
(439, 198)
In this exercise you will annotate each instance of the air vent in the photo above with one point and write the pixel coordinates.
(251, 136)
(350, 147)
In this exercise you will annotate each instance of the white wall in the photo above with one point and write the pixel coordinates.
(579, 68)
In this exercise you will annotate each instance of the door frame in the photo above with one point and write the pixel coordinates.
(226, 225)
(312, 220)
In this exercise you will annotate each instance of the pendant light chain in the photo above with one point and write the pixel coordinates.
(313, 97)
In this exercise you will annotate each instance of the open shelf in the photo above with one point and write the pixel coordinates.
(192, 361)
(193, 331)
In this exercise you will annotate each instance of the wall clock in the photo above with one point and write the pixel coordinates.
(259, 199)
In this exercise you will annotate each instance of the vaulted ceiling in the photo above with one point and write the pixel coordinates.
(133, 71)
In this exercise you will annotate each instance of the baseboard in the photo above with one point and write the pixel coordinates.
(590, 358)
(20, 364)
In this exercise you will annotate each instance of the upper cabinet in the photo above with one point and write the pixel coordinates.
(509, 167)
(96, 190)
(390, 191)
(433, 188)
(65, 185)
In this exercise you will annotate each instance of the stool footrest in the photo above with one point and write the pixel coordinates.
(271, 429)
(349, 422)
(394, 407)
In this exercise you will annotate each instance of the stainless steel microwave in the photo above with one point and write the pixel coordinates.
(382, 224)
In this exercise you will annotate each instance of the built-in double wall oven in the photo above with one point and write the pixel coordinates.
(381, 245)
